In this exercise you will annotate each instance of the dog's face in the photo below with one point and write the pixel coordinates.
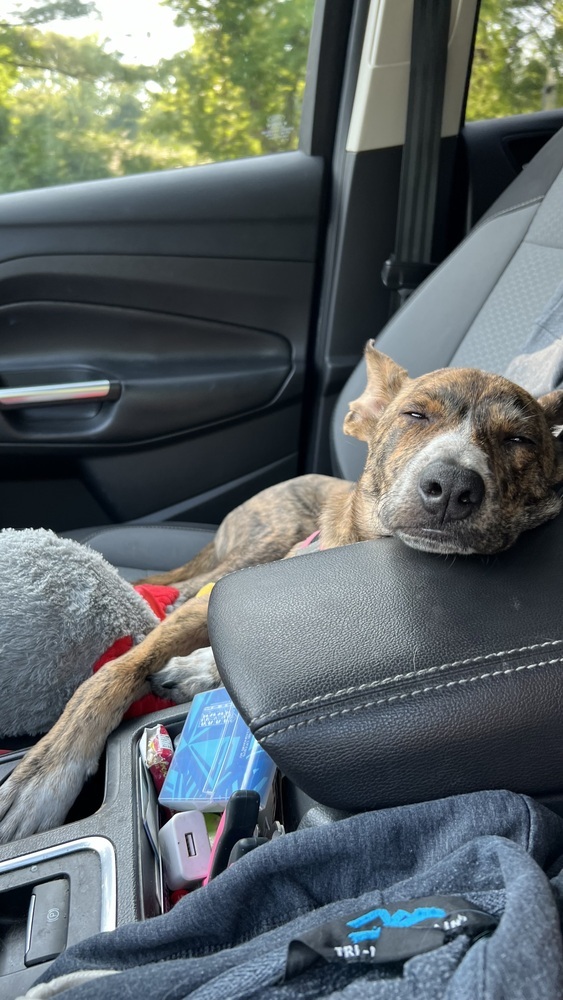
(458, 460)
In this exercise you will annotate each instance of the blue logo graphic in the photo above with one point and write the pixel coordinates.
(400, 918)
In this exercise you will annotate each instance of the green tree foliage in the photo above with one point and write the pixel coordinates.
(238, 90)
(71, 109)
(518, 62)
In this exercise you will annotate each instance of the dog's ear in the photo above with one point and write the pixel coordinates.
(385, 378)
(552, 406)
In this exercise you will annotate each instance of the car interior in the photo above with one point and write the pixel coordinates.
(223, 310)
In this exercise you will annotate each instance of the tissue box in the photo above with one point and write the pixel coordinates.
(215, 756)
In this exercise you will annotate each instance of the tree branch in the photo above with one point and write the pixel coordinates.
(57, 69)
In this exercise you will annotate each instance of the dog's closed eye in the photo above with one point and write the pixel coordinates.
(415, 414)
(519, 439)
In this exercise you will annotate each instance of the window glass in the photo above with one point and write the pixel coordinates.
(103, 88)
(518, 60)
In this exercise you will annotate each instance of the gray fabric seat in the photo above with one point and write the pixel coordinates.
(477, 309)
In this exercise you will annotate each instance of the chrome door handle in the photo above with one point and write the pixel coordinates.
(61, 392)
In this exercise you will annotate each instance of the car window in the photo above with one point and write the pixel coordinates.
(518, 59)
(104, 88)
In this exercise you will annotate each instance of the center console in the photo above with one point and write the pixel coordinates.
(90, 875)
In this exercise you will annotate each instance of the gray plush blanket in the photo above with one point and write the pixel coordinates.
(62, 606)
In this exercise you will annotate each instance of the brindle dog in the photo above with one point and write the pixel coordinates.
(459, 461)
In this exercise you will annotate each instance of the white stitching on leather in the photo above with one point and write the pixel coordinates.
(408, 694)
(424, 671)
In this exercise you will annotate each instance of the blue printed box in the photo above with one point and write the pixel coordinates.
(216, 756)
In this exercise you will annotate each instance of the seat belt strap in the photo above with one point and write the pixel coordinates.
(411, 260)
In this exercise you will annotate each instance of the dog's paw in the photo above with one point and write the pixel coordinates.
(185, 676)
(37, 795)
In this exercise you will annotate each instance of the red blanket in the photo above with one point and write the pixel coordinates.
(159, 599)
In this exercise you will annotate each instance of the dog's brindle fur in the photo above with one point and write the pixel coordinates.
(481, 424)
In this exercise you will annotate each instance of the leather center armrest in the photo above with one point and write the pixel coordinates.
(376, 675)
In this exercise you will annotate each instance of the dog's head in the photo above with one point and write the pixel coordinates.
(458, 460)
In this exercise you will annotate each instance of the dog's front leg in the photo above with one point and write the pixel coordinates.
(40, 791)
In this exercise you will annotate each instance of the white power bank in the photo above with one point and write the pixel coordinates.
(184, 849)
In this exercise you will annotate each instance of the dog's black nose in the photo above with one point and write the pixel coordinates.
(450, 491)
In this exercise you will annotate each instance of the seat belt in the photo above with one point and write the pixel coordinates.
(411, 260)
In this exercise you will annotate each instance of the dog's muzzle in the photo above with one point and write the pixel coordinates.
(450, 492)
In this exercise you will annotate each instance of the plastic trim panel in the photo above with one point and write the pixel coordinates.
(102, 847)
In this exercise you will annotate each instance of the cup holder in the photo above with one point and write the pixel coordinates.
(90, 798)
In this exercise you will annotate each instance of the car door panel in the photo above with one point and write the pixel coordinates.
(264, 208)
(191, 293)
(205, 372)
(198, 465)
